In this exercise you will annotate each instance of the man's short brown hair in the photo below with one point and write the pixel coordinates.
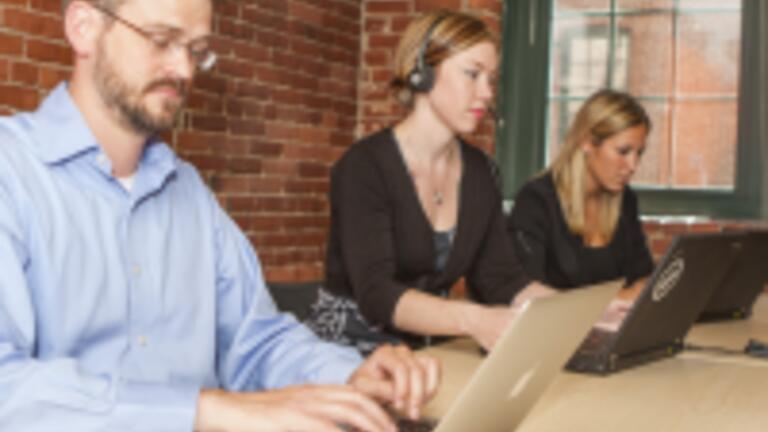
(107, 4)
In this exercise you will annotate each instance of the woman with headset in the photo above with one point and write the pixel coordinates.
(577, 223)
(414, 208)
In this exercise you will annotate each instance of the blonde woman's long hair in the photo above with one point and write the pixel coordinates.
(454, 32)
(603, 115)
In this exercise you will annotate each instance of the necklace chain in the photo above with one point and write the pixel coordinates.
(438, 197)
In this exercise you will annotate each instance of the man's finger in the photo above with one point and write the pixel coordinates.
(433, 372)
(348, 404)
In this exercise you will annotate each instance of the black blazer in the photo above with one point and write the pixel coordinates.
(553, 255)
(381, 242)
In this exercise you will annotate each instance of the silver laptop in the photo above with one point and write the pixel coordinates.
(526, 359)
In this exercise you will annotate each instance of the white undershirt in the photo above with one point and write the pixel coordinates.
(127, 182)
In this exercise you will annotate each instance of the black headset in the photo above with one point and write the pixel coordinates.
(421, 78)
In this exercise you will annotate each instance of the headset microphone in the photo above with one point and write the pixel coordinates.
(492, 111)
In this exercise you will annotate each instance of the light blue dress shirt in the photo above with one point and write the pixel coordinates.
(116, 306)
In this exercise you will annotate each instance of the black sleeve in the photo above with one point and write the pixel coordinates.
(363, 210)
(496, 274)
(637, 261)
(530, 227)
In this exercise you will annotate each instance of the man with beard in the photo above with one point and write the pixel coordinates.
(128, 299)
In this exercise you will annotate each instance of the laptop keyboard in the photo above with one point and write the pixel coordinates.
(596, 341)
(407, 425)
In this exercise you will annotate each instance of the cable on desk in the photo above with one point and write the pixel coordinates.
(713, 349)
(754, 348)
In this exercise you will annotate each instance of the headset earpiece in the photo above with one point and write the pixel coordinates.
(421, 79)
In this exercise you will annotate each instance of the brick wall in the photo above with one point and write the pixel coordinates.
(266, 125)
(33, 55)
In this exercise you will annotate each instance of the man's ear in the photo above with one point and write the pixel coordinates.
(83, 25)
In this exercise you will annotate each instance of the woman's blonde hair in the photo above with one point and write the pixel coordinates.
(603, 115)
(451, 32)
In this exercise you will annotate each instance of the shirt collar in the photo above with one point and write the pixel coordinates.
(61, 133)
(59, 129)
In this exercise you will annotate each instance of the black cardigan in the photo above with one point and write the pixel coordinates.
(381, 242)
(552, 254)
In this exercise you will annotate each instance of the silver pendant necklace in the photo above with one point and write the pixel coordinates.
(437, 197)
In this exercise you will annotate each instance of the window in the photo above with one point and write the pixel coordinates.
(681, 58)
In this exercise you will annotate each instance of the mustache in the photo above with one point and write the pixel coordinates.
(181, 86)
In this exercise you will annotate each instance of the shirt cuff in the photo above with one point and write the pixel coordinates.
(340, 369)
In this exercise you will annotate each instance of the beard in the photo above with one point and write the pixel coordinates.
(127, 102)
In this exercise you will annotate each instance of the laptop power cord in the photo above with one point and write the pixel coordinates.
(712, 349)
(754, 348)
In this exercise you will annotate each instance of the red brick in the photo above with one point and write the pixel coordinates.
(10, 44)
(20, 98)
(311, 169)
(387, 6)
(432, 5)
(306, 13)
(24, 73)
(49, 52)
(212, 123)
(33, 23)
(49, 6)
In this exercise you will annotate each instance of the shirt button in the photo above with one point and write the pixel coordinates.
(142, 340)
(136, 269)
(101, 159)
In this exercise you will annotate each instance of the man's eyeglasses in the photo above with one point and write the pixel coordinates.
(198, 50)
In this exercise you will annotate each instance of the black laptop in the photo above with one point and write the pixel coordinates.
(743, 283)
(677, 291)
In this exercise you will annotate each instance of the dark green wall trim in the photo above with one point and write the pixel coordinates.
(521, 134)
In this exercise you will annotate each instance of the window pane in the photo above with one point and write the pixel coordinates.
(650, 53)
(705, 144)
(561, 114)
(711, 4)
(644, 4)
(654, 169)
(582, 5)
(580, 55)
(708, 53)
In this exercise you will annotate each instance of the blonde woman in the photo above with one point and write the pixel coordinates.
(414, 207)
(578, 222)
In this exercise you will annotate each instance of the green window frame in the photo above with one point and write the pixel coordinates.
(523, 98)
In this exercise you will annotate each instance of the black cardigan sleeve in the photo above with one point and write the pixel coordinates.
(496, 274)
(530, 228)
(362, 214)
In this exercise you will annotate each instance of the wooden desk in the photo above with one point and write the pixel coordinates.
(690, 392)
(734, 334)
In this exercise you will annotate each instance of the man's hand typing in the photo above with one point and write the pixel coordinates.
(391, 375)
